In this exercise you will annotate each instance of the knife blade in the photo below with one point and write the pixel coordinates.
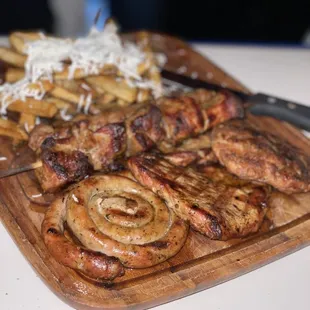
(258, 104)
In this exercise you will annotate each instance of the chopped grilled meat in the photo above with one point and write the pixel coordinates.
(60, 168)
(141, 127)
(182, 118)
(39, 134)
(215, 210)
(259, 193)
(260, 156)
(193, 150)
(218, 107)
(101, 146)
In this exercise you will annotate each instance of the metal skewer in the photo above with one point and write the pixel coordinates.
(13, 171)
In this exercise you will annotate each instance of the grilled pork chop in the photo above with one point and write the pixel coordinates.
(215, 210)
(259, 156)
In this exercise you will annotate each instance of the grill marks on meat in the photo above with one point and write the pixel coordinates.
(194, 150)
(217, 211)
(93, 264)
(259, 193)
(105, 138)
(182, 118)
(39, 134)
(101, 146)
(217, 107)
(61, 168)
(260, 156)
(143, 128)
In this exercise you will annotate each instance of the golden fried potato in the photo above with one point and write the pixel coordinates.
(118, 88)
(9, 56)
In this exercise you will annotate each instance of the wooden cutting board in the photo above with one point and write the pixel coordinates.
(201, 264)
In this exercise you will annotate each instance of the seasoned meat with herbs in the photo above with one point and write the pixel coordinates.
(259, 156)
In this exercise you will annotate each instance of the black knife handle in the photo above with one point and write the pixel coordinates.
(284, 110)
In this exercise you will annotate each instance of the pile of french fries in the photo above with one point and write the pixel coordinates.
(64, 98)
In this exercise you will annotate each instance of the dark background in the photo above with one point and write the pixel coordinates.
(229, 21)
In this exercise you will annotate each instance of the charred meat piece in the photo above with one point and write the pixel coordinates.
(61, 168)
(39, 134)
(260, 156)
(217, 107)
(143, 128)
(182, 118)
(193, 150)
(259, 193)
(101, 146)
(186, 158)
(215, 210)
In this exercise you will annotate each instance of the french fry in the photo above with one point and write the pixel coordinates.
(34, 107)
(118, 88)
(70, 85)
(153, 72)
(77, 86)
(27, 121)
(12, 58)
(64, 94)
(61, 104)
(15, 134)
(80, 73)
(11, 129)
(18, 39)
(41, 85)
(13, 75)
(123, 103)
(105, 99)
(143, 95)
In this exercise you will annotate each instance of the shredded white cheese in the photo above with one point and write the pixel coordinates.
(88, 103)
(194, 75)
(64, 115)
(81, 102)
(36, 195)
(26, 127)
(75, 198)
(89, 54)
(181, 70)
(86, 87)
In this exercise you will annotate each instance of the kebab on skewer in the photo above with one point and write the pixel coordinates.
(71, 152)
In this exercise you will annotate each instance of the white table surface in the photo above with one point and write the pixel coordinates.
(283, 284)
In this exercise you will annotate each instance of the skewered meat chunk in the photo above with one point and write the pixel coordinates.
(182, 118)
(217, 211)
(61, 168)
(260, 156)
(101, 146)
(107, 137)
(144, 128)
(39, 134)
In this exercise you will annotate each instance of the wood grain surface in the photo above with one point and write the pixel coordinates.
(201, 264)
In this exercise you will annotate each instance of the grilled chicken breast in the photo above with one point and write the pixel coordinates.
(215, 210)
(259, 156)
